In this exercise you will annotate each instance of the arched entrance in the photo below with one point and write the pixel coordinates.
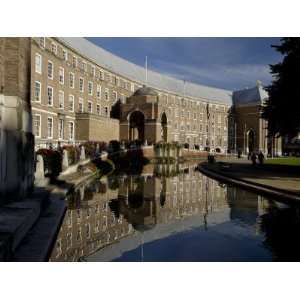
(136, 126)
(250, 140)
(164, 127)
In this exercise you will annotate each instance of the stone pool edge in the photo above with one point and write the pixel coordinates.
(280, 194)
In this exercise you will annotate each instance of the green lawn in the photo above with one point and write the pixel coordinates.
(289, 161)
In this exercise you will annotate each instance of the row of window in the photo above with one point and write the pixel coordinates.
(168, 99)
(195, 104)
(37, 126)
(201, 115)
(61, 100)
(83, 65)
(201, 141)
(61, 78)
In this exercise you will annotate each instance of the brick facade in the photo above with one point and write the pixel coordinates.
(187, 118)
(93, 94)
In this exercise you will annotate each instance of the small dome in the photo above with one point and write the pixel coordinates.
(145, 91)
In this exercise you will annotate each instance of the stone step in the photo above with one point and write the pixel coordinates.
(16, 220)
(38, 243)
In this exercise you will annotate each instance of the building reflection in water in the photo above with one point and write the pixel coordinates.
(106, 211)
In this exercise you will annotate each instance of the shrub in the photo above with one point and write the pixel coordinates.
(73, 153)
(52, 161)
(114, 146)
(91, 148)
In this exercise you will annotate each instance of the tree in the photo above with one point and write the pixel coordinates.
(282, 109)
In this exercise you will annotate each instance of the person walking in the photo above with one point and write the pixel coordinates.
(261, 158)
(239, 153)
(253, 158)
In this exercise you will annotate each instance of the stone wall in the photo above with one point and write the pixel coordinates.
(16, 139)
(96, 128)
(248, 118)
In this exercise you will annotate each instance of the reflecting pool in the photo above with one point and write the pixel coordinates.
(174, 213)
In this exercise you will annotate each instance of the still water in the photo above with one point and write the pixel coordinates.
(174, 213)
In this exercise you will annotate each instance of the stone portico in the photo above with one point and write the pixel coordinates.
(142, 118)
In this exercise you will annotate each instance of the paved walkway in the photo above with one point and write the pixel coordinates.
(280, 177)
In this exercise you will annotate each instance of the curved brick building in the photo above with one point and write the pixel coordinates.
(81, 92)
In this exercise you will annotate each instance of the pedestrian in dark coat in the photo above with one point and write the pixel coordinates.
(253, 158)
(261, 158)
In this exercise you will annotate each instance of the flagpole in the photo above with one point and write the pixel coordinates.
(146, 69)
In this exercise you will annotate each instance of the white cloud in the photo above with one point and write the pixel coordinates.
(227, 76)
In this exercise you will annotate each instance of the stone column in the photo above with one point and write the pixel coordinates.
(82, 153)
(65, 160)
(39, 168)
(97, 149)
(16, 139)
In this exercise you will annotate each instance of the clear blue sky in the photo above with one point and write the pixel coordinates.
(230, 63)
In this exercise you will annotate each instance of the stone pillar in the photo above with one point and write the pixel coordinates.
(16, 139)
(39, 168)
(97, 149)
(180, 152)
(82, 153)
(65, 160)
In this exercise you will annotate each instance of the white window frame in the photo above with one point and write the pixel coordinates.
(101, 74)
(81, 88)
(49, 137)
(52, 94)
(90, 88)
(40, 127)
(42, 42)
(71, 138)
(71, 74)
(106, 111)
(83, 65)
(38, 69)
(109, 77)
(93, 70)
(54, 48)
(65, 54)
(59, 129)
(40, 93)
(71, 99)
(115, 96)
(106, 93)
(98, 93)
(98, 109)
(74, 59)
(50, 62)
(90, 104)
(61, 75)
(60, 92)
(81, 101)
